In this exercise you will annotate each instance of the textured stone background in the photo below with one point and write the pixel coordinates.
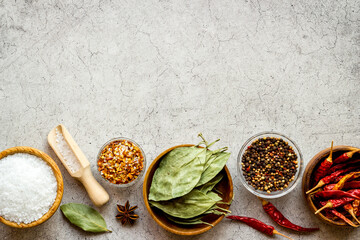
(160, 72)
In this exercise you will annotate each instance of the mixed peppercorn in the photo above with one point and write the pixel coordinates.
(120, 162)
(269, 164)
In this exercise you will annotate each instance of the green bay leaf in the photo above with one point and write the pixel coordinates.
(191, 205)
(84, 217)
(215, 164)
(178, 173)
(207, 187)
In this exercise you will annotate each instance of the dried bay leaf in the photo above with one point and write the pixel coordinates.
(191, 221)
(178, 173)
(84, 217)
(215, 164)
(191, 205)
(207, 187)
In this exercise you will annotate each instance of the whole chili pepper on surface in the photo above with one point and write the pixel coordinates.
(334, 203)
(339, 215)
(258, 225)
(346, 156)
(349, 208)
(324, 166)
(327, 180)
(277, 216)
(331, 194)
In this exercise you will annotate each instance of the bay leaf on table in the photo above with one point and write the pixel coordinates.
(84, 217)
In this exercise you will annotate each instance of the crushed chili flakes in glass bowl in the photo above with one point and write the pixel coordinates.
(121, 162)
(270, 165)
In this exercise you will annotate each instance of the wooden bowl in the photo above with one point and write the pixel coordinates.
(307, 181)
(58, 176)
(225, 186)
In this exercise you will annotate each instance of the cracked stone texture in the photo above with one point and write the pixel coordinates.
(160, 72)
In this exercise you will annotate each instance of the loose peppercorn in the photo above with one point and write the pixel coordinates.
(269, 164)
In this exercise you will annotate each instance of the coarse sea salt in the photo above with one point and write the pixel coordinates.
(28, 188)
(68, 155)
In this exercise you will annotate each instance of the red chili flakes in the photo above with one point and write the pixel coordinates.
(120, 162)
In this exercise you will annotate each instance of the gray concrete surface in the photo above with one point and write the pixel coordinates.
(160, 72)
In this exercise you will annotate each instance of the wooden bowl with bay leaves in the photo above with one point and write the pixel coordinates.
(225, 186)
(58, 177)
(308, 182)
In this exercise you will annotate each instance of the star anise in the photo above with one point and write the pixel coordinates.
(126, 213)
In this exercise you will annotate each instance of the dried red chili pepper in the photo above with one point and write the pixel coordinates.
(355, 192)
(334, 203)
(258, 225)
(355, 205)
(348, 221)
(343, 165)
(324, 166)
(343, 180)
(346, 156)
(337, 179)
(349, 208)
(329, 187)
(327, 180)
(332, 194)
(327, 213)
(277, 216)
(352, 185)
(347, 185)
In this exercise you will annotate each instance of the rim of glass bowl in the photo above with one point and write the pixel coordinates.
(124, 185)
(275, 194)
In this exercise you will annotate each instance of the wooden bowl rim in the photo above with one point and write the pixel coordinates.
(145, 195)
(57, 174)
(311, 165)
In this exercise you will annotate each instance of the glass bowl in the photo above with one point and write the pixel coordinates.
(134, 182)
(292, 184)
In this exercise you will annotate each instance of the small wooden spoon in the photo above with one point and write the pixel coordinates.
(96, 192)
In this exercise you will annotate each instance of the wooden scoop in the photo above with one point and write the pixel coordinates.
(96, 192)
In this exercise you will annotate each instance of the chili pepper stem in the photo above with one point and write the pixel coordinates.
(327, 205)
(341, 216)
(351, 211)
(317, 190)
(350, 154)
(320, 184)
(263, 201)
(276, 232)
(353, 215)
(331, 151)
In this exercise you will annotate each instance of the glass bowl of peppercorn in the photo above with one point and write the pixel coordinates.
(121, 162)
(270, 165)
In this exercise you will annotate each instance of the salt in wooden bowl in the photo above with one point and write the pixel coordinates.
(308, 183)
(225, 186)
(57, 174)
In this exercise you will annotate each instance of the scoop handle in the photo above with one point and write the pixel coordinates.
(96, 192)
